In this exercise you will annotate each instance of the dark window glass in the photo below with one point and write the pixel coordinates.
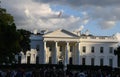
(50, 48)
(71, 48)
(101, 62)
(111, 62)
(84, 49)
(50, 60)
(101, 49)
(70, 60)
(28, 59)
(37, 47)
(92, 49)
(83, 61)
(37, 60)
(111, 50)
(92, 61)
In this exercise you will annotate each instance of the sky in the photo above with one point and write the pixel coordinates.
(100, 17)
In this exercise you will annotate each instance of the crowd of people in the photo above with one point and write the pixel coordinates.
(54, 72)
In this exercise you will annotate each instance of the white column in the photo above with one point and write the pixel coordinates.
(55, 53)
(66, 53)
(78, 53)
(44, 53)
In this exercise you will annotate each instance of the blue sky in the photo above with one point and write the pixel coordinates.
(92, 25)
(100, 18)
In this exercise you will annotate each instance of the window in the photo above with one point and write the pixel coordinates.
(83, 61)
(70, 60)
(50, 60)
(71, 48)
(110, 62)
(101, 49)
(50, 49)
(92, 61)
(28, 59)
(101, 62)
(111, 50)
(84, 49)
(60, 48)
(92, 49)
(37, 60)
(37, 47)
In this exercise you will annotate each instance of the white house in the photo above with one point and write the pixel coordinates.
(62, 46)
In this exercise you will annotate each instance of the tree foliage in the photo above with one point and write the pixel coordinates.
(24, 40)
(12, 41)
(9, 38)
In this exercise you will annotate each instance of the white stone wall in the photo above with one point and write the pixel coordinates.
(97, 55)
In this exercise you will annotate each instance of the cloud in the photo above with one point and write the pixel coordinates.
(104, 12)
(107, 24)
(117, 35)
(31, 15)
(38, 14)
(106, 17)
(77, 3)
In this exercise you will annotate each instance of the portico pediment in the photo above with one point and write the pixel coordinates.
(61, 33)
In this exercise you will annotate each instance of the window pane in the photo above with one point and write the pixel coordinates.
(28, 59)
(101, 49)
(50, 60)
(84, 49)
(110, 62)
(92, 49)
(92, 61)
(101, 62)
(37, 60)
(83, 61)
(70, 60)
(71, 48)
(111, 50)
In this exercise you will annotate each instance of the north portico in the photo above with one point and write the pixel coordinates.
(61, 46)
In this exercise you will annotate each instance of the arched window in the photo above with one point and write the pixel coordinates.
(70, 60)
(37, 60)
(28, 58)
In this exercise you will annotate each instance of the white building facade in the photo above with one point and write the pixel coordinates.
(64, 47)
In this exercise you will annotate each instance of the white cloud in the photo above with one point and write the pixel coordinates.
(117, 35)
(31, 15)
(107, 24)
(37, 14)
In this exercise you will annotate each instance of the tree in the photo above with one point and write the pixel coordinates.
(9, 38)
(24, 40)
(117, 52)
